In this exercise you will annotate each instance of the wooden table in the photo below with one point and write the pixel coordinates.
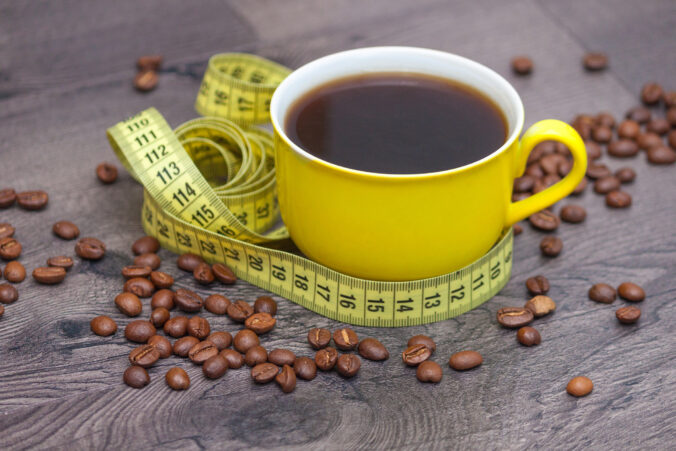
(65, 76)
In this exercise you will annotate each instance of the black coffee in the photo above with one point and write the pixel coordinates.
(396, 123)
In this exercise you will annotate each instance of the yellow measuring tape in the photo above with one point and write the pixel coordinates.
(210, 190)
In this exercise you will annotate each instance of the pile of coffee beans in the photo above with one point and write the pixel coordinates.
(146, 78)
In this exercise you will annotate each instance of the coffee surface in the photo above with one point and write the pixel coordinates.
(396, 123)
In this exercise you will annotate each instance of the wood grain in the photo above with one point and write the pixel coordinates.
(65, 76)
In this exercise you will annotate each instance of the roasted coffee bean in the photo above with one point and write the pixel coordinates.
(583, 127)
(136, 377)
(260, 323)
(264, 372)
(202, 351)
(305, 368)
(265, 304)
(593, 150)
(326, 358)
(669, 99)
(429, 371)
(540, 305)
(144, 356)
(281, 357)
(372, 349)
(149, 62)
(523, 184)
(176, 327)
(8, 293)
(6, 230)
(49, 275)
(651, 93)
(422, 340)
(319, 338)
(671, 117)
(522, 65)
(221, 339)
(595, 61)
(146, 81)
(188, 262)
(602, 134)
(539, 185)
(648, 140)
(183, 345)
(132, 271)
(603, 293)
(217, 304)
(628, 315)
(60, 261)
(671, 138)
(139, 286)
(658, 125)
(579, 189)
(15, 272)
(345, 339)
(628, 129)
(103, 325)
(661, 155)
(145, 245)
(549, 180)
(203, 274)
(550, 163)
(551, 246)
(639, 114)
(579, 386)
(139, 331)
(535, 171)
(623, 148)
(151, 260)
(10, 248)
(32, 200)
(465, 360)
(597, 170)
(606, 184)
(545, 220)
(286, 379)
(517, 229)
(177, 379)
(255, 355)
(163, 298)
(187, 300)
(129, 304)
(235, 359)
(537, 285)
(198, 327)
(239, 311)
(245, 339)
(106, 172)
(215, 367)
(90, 249)
(618, 199)
(415, 354)
(528, 336)
(625, 175)
(514, 317)
(605, 119)
(66, 230)
(223, 274)
(631, 292)
(159, 317)
(348, 365)
(7, 197)
(565, 167)
(162, 344)
(161, 279)
(573, 214)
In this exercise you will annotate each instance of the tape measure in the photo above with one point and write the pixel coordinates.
(209, 189)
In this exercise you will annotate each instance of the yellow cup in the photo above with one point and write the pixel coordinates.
(411, 226)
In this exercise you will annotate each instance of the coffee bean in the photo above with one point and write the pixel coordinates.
(549, 180)
(8, 293)
(2, 310)
(544, 220)
(628, 315)
(651, 93)
(90, 249)
(372, 349)
(639, 114)
(203, 274)
(239, 311)
(220, 339)
(345, 339)
(6, 230)
(176, 327)
(223, 274)
(136, 377)
(595, 61)
(523, 184)
(597, 170)
(161, 279)
(517, 229)
(602, 134)
(163, 298)
(669, 99)
(198, 327)
(623, 148)
(603, 293)
(132, 271)
(583, 124)
(514, 317)
(260, 323)
(264, 372)
(217, 304)
(551, 246)
(625, 175)
(348, 365)
(139, 331)
(631, 292)
(215, 367)
(144, 356)
(183, 345)
(319, 338)
(540, 305)
(522, 65)
(188, 262)
(593, 150)
(628, 129)
(573, 214)
(550, 163)
(60, 261)
(149, 62)
(415, 354)
(265, 304)
(177, 379)
(537, 285)
(106, 172)
(422, 340)
(103, 325)
(10, 248)
(139, 286)
(326, 358)
(579, 386)
(146, 81)
(286, 379)
(606, 184)
(465, 360)
(671, 117)
(671, 138)
(305, 368)
(15, 272)
(281, 357)
(528, 336)
(534, 171)
(151, 260)
(429, 371)
(66, 230)
(605, 119)
(49, 275)
(579, 189)
(235, 359)
(129, 304)
(565, 167)
(188, 301)
(661, 155)
(159, 316)
(32, 200)
(618, 199)
(658, 125)
(7, 197)
(162, 344)
(202, 351)
(648, 140)
(245, 339)
(145, 245)
(255, 355)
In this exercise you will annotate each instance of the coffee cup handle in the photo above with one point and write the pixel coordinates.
(548, 129)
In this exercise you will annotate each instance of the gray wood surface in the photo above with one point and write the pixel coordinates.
(65, 76)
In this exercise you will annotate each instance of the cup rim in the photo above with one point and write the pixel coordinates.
(504, 85)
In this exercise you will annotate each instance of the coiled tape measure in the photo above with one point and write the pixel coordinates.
(209, 189)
